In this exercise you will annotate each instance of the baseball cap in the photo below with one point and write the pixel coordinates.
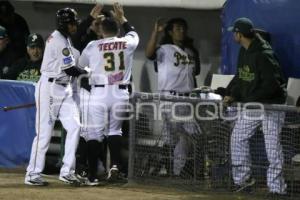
(242, 25)
(3, 33)
(35, 40)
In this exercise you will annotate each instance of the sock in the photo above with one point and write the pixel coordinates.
(114, 144)
(103, 152)
(93, 147)
(81, 155)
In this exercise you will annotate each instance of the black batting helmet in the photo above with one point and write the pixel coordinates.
(65, 16)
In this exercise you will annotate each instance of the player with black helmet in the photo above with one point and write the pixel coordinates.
(54, 100)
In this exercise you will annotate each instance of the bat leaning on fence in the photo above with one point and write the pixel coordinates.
(8, 108)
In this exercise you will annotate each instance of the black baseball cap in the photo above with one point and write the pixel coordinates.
(3, 32)
(35, 40)
(242, 25)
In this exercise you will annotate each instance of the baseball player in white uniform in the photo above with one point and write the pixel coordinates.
(177, 65)
(86, 148)
(110, 60)
(54, 100)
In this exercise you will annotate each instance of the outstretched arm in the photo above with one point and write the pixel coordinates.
(151, 45)
(118, 14)
(82, 28)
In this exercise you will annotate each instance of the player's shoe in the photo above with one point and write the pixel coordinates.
(70, 179)
(115, 176)
(113, 173)
(37, 181)
(82, 176)
(277, 196)
(93, 182)
(246, 187)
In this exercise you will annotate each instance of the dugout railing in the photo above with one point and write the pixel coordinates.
(196, 142)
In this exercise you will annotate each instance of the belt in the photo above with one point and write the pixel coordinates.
(122, 87)
(53, 80)
(185, 94)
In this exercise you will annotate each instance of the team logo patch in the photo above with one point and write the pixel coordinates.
(65, 52)
(67, 60)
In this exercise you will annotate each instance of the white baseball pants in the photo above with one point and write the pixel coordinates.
(178, 132)
(107, 109)
(244, 128)
(54, 101)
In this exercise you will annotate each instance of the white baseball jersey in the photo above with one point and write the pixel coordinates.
(54, 101)
(175, 68)
(59, 55)
(110, 59)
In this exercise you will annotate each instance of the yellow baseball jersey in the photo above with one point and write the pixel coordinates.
(110, 59)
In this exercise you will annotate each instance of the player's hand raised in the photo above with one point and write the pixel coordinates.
(96, 10)
(159, 25)
(118, 13)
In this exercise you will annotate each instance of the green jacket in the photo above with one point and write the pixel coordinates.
(25, 70)
(259, 77)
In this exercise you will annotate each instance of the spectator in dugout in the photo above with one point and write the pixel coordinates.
(16, 27)
(7, 53)
(28, 67)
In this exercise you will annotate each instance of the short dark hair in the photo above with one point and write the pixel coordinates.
(109, 25)
(106, 13)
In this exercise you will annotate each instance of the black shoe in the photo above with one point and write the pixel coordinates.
(82, 176)
(113, 173)
(186, 175)
(115, 176)
(92, 182)
(246, 187)
(275, 196)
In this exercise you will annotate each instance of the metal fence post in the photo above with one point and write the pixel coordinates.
(132, 140)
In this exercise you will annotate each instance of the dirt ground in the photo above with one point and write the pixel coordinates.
(13, 188)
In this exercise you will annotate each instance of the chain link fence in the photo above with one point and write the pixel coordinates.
(197, 144)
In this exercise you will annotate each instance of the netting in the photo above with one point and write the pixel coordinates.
(197, 144)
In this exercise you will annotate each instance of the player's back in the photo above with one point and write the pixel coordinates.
(110, 59)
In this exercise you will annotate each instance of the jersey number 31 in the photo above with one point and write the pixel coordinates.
(110, 61)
